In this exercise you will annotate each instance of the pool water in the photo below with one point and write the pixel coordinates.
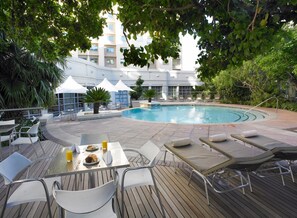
(193, 114)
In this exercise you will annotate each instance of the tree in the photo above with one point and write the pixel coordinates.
(149, 94)
(51, 29)
(229, 31)
(98, 96)
(25, 80)
(137, 89)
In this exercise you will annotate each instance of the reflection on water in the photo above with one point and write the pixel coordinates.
(193, 114)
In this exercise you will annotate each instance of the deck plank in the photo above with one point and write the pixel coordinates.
(269, 198)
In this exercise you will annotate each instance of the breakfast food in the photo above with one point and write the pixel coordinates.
(91, 158)
(91, 147)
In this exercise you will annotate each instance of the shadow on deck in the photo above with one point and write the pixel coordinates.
(269, 198)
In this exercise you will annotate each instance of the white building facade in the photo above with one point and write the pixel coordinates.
(172, 80)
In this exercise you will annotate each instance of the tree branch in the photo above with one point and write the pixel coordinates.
(252, 24)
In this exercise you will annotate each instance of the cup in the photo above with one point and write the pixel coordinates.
(104, 145)
(69, 155)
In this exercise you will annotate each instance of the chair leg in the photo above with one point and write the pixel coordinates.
(291, 172)
(41, 147)
(5, 201)
(122, 204)
(158, 194)
(249, 181)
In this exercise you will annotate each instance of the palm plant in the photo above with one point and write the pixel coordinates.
(25, 80)
(149, 94)
(97, 96)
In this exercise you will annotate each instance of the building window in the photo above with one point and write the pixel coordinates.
(176, 65)
(94, 59)
(83, 57)
(110, 27)
(122, 61)
(171, 92)
(110, 39)
(110, 50)
(185, 92)
(94, 47)
(158, 90)
(110, 62)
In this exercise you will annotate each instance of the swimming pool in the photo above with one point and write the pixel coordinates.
(193, 114)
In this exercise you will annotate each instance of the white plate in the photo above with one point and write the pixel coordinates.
(90, 164)
(95, 149)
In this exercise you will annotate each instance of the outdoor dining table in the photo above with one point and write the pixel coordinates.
(7, 128)
(60, 167)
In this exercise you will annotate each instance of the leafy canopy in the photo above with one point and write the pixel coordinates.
(25, 81)
(229, 31)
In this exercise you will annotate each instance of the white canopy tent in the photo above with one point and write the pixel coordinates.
(71, 86)
(122, 86)
(70, 90)
(123, 97)
(105, 84)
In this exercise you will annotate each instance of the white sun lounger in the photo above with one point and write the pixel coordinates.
(281, 150)
(208, 165)
(235, 149)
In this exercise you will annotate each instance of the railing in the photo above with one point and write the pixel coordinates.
(26, 111)
(263, 103)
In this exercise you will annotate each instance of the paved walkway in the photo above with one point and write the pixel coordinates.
(130, 133)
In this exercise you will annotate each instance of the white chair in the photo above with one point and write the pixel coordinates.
(95, 202)
(86, 139)
(30, 189)
(4, 138)
(27, 138)
(141, 175)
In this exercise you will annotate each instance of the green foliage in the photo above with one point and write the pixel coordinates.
(98, 96)
(51, 29)
(149, 94)
(229, 32)
(137, 89)
(269, 74)
(25, 80)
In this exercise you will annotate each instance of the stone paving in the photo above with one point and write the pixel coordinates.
(130, 133)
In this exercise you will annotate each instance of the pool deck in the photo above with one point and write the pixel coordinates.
(281, 125)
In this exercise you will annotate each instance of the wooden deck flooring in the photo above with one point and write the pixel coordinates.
(269, 198)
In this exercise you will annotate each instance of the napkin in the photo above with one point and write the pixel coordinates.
(75, 148)
(107, 157)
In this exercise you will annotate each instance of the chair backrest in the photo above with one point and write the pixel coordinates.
(7, 122)
(150, 151)
(34, 129)
(93, 138)
(12, 166)
(96, 198)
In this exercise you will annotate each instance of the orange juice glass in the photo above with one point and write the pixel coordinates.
(69, 155)
(104, 145)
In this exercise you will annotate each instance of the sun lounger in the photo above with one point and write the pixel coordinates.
(255, 156)
(281, 150)
(209, 165)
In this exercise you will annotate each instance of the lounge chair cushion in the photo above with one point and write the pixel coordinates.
(249, 133)
(218, 138)
(181, 142)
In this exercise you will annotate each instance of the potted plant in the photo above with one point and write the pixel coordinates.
(149, 94)
(97, 96)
